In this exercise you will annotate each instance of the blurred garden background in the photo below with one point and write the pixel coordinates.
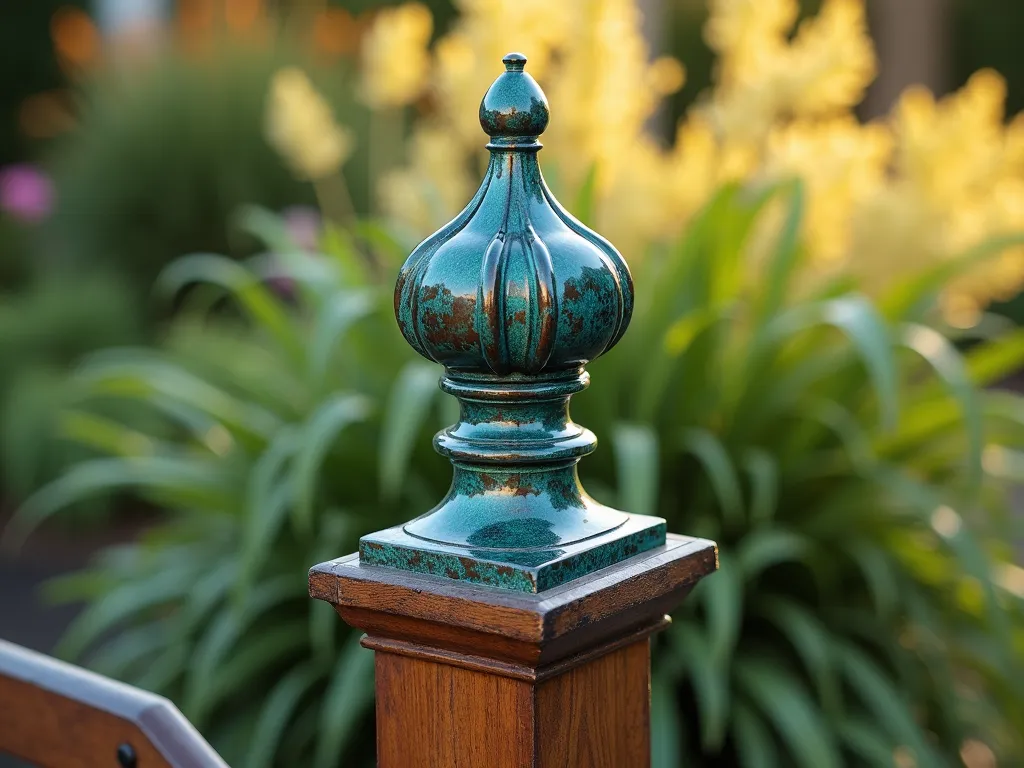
(203, 391)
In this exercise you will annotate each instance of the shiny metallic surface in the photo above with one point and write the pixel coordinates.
(514, 297)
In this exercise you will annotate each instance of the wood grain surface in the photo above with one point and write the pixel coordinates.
(56, 714)
(434, 715)
(479, 677)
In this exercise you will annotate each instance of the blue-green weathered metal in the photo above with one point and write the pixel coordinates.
(514, 297)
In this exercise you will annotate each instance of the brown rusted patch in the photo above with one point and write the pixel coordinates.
(453, 331)
(521, 488)
(429, 293)
(470, 566)
(572, 293)
(516, 317)
(489, 482)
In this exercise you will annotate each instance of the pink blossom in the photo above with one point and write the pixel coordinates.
(26, 192)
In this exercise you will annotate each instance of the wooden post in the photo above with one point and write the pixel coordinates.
(511, 623)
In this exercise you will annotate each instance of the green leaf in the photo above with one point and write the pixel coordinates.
(408, 407)
(221, 641)
(276, 645)
(721, 593)
(349, 694)
(586, 198)
(278, 711)
(666, 725)
(105, 435)
(142, 375)
(755, 746)
(198, 482)
(710, 452)
(252, 295)
(858, 319)
(130, 648)
(798, 722)
(911, 297)
(784, 256)
(709, 677)
(762, 548)
(126, 603)
(992, 361)
(862, 738)
(764, 484)
(876, 691)
(318, 435)
(267, 227)
(812, 644)
(947, 363)
(340, 311)
(636, 460)
(876, 567)
(268, 500)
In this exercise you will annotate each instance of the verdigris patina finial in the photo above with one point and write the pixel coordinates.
(514, 297)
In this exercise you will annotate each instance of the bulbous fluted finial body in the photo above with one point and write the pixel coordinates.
(514, 284)
(513, 297)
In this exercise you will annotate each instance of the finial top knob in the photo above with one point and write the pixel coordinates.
(514, 106)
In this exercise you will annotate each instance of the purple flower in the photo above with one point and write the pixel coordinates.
(303, 224)
(26, 192)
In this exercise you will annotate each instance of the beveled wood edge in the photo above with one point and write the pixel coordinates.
(159, 721)
(538, 618)
(522, 672)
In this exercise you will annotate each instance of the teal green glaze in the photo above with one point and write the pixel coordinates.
(523, 570)
(514, 297)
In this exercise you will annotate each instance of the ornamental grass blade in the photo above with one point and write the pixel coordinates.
(349, 694)
(226, 634)
(269, 497)
(784, 255)
(143, 376)
(131, 648)
(862, 738)
(763, 471)
(722, 596)
(796, 719)
(252, 295)
(338, 314)
(992, 361)
(266, 226)
(278, 711)
(666, 724)
(636, 461)
(874, 689)
(721, 473)
(124, 603)
(275, 646)
(408, 407)
(762, 548)
(191, 481)
(812, 643)
(856, 317)
(755, 746)
(910, 299)
(318, 436)
(708, 675)
(947, 363)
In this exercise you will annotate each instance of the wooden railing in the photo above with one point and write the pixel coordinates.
(59, 715)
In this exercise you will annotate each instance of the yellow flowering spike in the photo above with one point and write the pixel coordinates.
(300, 126)
(395, 60)
(883, 199)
